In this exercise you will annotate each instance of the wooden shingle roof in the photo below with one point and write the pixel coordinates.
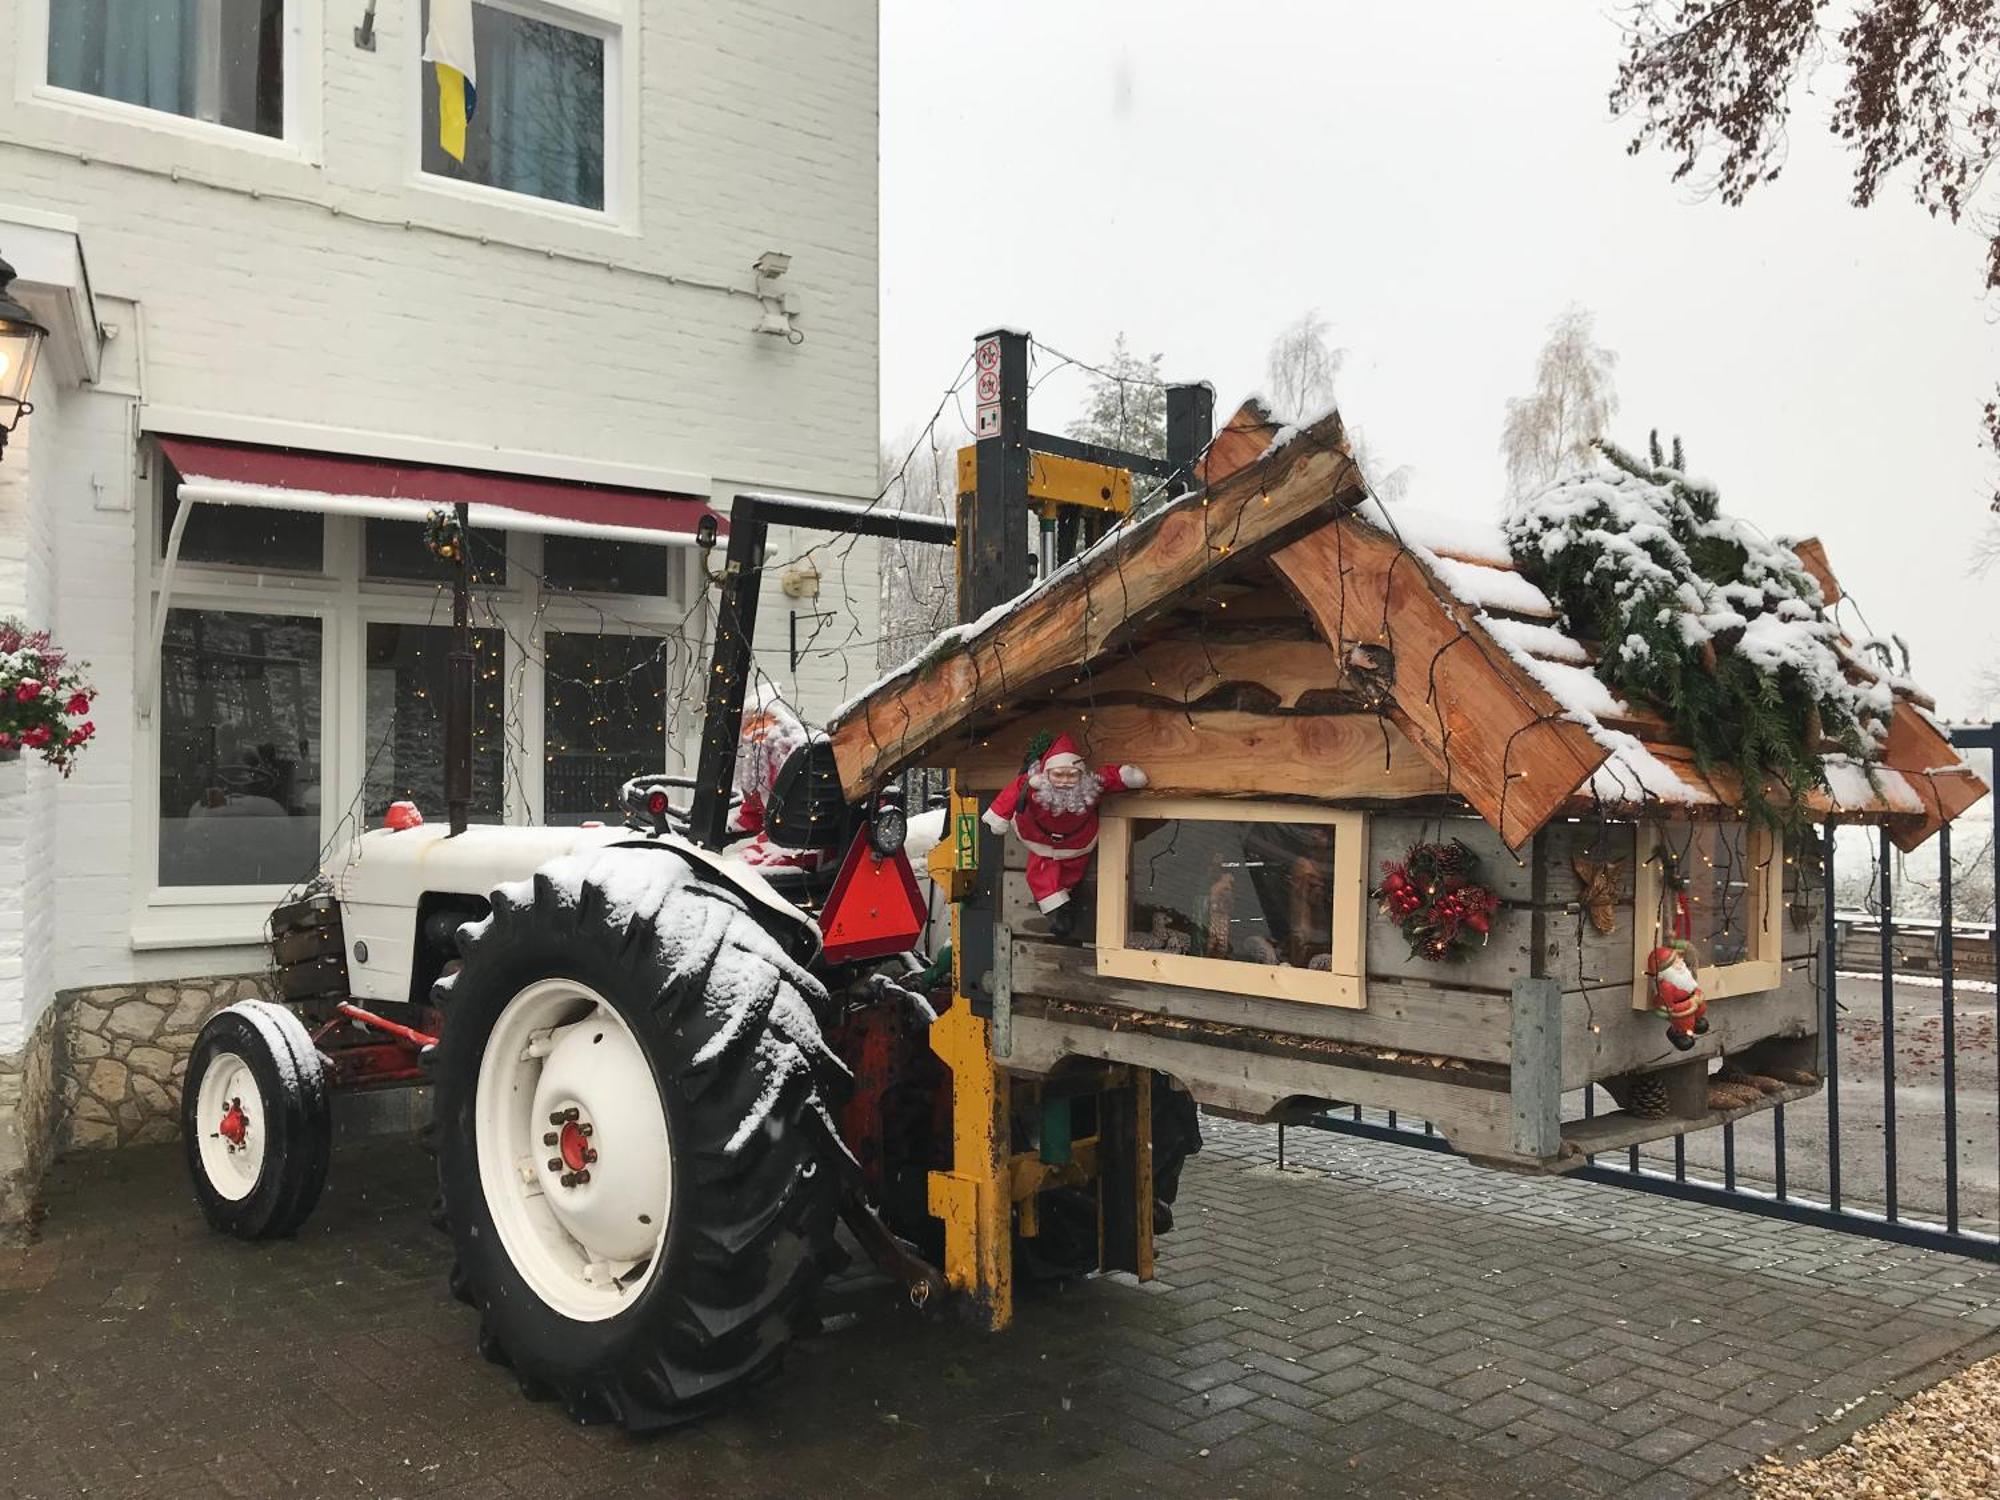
(1431, 628)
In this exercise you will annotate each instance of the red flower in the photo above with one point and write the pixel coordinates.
(80, 704)
(7, 741)
(28, 691)
(37, 737)
(81, 733)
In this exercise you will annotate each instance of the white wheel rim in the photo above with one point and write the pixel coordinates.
(586, 1233)
(231, 1126)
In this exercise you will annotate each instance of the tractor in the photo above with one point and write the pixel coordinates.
(661, 1075)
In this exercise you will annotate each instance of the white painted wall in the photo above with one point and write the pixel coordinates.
(325, 284)
(27, 787)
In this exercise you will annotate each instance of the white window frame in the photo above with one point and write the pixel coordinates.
(1343, 985)
(304, 42)
(1763, 909)
(346, 602)
(616, 23)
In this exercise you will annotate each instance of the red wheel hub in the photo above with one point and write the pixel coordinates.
(574, 1146)
(235, 1124)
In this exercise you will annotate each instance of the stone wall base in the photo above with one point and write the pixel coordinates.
(28, 1119)
(128, 1047)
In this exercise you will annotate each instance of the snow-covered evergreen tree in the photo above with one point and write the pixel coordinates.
(1127, 404)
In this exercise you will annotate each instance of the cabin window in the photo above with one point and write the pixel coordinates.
(1728, 879)
(1253, 898)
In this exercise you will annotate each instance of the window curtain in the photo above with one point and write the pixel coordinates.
(546, 87)
(138, 51)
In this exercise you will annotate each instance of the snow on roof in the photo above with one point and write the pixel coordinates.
(1489, 588)
(1472, 538)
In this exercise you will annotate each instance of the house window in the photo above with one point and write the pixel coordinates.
(220, 61)
(240, 748)
(594, 566)
(1728, 880)
(1254, 898)
(538, 121)
(606, 698)
(404, 734)
(246, 536)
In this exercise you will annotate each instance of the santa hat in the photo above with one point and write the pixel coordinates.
(1062, 752)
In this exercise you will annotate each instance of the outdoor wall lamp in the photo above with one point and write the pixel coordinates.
(20, 342)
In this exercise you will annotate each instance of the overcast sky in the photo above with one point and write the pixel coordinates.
(1440, 181)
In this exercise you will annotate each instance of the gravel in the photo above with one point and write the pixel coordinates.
(1943, 1444)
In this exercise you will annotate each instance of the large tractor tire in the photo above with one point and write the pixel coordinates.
(634, 1160)
(255, 1123)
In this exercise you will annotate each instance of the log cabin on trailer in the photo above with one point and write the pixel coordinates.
(1399, 843)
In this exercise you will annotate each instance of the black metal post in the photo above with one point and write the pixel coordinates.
(1830, 1025)
(1888, 898)
(1190, 426)
(1946, 962)
(458, 684)
(728, 673)
(992, 569)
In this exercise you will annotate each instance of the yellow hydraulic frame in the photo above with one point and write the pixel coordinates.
(977, 1197)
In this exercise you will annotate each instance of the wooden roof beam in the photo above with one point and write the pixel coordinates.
(1086, 609)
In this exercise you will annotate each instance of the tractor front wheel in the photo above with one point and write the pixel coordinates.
(254, 1121)
(635, 1164)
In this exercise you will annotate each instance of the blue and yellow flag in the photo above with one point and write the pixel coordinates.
(448, 48)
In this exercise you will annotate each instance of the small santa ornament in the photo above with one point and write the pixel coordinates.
(1052, 809)
(1677, 994)
(771, 732)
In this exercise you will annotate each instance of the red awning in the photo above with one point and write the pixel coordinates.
(294, 479)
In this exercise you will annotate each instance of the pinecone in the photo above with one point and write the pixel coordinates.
(1450, 858)
(1646, 1098)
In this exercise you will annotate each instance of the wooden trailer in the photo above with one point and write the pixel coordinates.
(1319, 688)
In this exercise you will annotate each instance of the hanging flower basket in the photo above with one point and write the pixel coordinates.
(44, 700)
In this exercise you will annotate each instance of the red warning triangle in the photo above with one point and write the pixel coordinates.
(876, 907)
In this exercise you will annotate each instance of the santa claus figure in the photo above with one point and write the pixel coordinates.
(1052, 808)
(771, 732)
(1677, 994)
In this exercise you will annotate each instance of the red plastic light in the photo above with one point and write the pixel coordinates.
(402, 815)
(656, 804)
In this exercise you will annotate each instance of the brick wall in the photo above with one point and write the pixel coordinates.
(328, 286)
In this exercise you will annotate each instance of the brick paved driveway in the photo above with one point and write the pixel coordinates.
(1379, 1322)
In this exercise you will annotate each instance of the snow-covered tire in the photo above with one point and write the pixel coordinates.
(255, 1123)
(621, 985)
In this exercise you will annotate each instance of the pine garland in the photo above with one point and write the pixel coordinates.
(1721, 627)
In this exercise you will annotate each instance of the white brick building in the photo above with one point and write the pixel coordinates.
(236, 218)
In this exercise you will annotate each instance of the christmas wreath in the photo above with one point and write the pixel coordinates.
(1696, 612)
(1434, 894)
(444, 536)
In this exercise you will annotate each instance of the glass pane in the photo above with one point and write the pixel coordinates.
(239, 748)
(217, 60)
(537, 123)
(395, 549)
(1259, 893)
(1716, 862)
(606, 720)
(602, 567)
(404, 750)
(247, 536)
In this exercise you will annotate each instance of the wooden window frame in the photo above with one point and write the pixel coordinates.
(1763, 970)
(1341, 985)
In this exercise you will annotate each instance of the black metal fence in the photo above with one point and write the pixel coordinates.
(1933, 1180)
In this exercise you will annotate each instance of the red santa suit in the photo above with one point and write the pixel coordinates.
(770, 733)
(1057, 825)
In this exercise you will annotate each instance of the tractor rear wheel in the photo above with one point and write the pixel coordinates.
(636, 1167)
(255, 1123)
